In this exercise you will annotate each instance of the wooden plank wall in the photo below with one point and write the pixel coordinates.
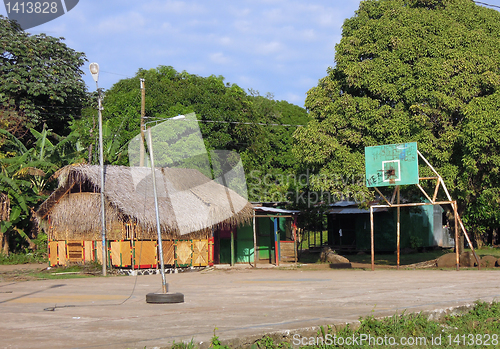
(287, 250)
(143, 254)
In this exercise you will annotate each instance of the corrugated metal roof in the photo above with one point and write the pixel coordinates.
(274, 210)
(344, 204)
(353, 210)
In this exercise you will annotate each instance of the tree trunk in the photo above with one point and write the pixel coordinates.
(461, 242)
(90, 154)
(4, 243)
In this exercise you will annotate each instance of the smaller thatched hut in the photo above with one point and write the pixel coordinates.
(190, 206)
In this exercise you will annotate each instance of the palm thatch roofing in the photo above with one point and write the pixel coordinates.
(188, 201)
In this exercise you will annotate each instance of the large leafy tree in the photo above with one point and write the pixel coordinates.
(413, 70)
(230, 119)
(41, 90)
(40, 81)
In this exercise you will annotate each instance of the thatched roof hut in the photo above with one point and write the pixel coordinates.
(190, 204)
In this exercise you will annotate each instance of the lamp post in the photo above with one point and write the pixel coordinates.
(94, 70)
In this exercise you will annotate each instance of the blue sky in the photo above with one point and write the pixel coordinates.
(277, 46)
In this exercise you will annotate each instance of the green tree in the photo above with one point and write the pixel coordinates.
(230, 119)
(40, 81)
(24, 177)
(413, 70)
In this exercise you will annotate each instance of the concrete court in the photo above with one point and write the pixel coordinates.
(240, 303)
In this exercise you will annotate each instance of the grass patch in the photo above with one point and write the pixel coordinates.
(476, 329)
(23, 258)
(486, 251)
(70, 272)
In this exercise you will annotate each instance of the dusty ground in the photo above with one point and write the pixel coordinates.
(19, 272)
(242, 304)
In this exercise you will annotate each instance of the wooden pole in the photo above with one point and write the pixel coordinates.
(232, 246)
(255, 257)
(294, 225)
(143, 113)
(398, 227)
(455, 214)
(276, 245)
(372, 238)
(470, 243)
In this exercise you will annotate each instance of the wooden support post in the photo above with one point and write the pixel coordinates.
(232, 246)
(470, 243)
(143, 114)
(276, 243)
(398, 227)
(294, 230)
(455, 214)
(255, 256)
(372, 237)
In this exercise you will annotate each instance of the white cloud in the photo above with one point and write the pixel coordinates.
(127, 22)
(294, 98)
(268, 48)
(219, 58)
(175, 7)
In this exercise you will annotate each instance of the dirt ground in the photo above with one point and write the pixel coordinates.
(240, 305)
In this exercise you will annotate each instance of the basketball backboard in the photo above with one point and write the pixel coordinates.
(391, 164)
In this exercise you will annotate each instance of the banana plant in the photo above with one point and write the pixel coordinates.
(24, 174)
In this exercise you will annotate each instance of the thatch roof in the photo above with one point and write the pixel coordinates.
(188, 201)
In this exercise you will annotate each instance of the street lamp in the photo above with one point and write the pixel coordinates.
(94, 70)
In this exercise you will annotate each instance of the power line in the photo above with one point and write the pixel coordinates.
(483, 3)
(128, 76)
(233, 122)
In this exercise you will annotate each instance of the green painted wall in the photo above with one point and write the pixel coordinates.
(265, 240)
(416, 229)
(244, 245)
(225, 251)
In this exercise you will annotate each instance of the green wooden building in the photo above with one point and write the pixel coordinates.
(271, 236)
(349, 227)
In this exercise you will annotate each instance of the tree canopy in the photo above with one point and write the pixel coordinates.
(40, 81)
(413, 70)
(229, 119)
(41, 90)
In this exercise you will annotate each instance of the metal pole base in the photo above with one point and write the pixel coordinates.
(164, 298)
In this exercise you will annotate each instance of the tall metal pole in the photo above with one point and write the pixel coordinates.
(155, 193)
(103, 204)
(143, 113)
(94, 70)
